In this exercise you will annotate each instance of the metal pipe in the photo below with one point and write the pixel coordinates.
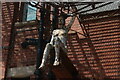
(40, 41)
(55, 18)
(40, 34)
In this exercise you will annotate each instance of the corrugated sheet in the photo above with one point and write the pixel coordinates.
(108, 7)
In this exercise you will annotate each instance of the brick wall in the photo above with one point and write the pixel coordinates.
(100, 50)
(7, 15)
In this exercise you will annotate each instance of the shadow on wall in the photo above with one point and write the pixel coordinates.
(81, 55)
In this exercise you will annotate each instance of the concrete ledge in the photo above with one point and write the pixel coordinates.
(21, 72)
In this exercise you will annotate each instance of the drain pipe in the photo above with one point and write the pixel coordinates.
(40, 41)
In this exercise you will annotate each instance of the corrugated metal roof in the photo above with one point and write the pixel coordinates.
(111, 6)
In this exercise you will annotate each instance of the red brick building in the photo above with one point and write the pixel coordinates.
(93, 42)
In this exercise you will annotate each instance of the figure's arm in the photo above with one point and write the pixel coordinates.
(52, 40)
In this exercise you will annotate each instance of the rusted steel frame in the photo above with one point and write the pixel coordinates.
(68, 26)
(96, 7)
(35, 5)
(83, 29)
(93, 52)
(81, 8)
(94, 73)
(21, 11)
(12, 38)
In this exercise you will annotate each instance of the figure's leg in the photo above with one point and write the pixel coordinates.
(46, 54)
(57, 54)
(63, 47)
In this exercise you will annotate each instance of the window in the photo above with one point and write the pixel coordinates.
(29, 12)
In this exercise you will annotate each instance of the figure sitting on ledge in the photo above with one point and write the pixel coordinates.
(58, 41)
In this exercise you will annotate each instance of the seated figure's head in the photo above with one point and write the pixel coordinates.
(61, 34)
(61, 22)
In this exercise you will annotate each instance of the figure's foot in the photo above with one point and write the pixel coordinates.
(56, 63)
(41, 66)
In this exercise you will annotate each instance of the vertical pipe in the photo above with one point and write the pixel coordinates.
(24, 11)
(21, 11)
(40, 40)
(55, 18)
